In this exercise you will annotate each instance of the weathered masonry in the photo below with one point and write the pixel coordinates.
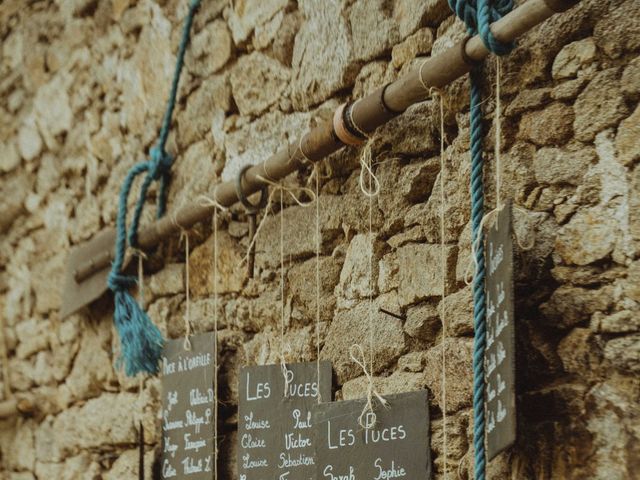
(83, 86)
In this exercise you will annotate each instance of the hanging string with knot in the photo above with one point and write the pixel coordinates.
(141, 341)
(478, 16)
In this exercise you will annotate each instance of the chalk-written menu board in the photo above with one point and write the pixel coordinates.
(500, 398)
(274, 427)
(397, 446)
(188, 404)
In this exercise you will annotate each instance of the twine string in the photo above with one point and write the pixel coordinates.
(286, 373)
(498, 134)
(488, 218)
(317, 193)
(443, 272)
(187, 314)
(367, 418)
(291, 191)
(141, 258)
(217, 207)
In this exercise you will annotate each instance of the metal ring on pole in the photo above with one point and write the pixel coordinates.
(344, 134)
(264, 193)
(350, 123)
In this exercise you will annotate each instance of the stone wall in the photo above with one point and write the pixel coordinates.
(82, 90)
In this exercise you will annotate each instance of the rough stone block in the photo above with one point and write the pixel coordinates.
(397, 382)
(419, 43)
(201, 59)
(618, 31)
(589, 236)
(415, 270)
(301, 280)
(106, 420)
(572, 58)
(570, 306)
(231, 273)
(257, 81)
(245, 16)
(551, 126)
(628, 139)
(624, 353)
(322, 68)
(458, 365)
(423, 322)
(600, 105)
(359, 275)
(558, 165)
(353, 326)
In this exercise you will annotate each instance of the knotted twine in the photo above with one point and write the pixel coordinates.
(478, 16)
(291, 191)
(141, 341)
(443, 275)
(315, 175)
(367, 418)
(206, 201)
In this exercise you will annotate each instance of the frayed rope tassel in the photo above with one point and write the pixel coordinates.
(141, 342)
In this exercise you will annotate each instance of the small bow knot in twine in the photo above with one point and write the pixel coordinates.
(286, 373)
(367, 418)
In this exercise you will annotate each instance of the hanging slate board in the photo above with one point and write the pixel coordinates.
(188, 408)
(500, 395)
(398, 446)
(274, 431)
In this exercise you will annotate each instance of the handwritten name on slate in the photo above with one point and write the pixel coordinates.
(274, 430)
(500, 398)
(396, 447)
(188, 404)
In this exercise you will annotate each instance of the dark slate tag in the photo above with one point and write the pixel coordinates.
(187, 409)
(500, 395)
(398, 446)
(274, 430)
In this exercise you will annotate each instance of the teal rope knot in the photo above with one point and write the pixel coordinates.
(478, 16)
(161, 162)
(141, 341)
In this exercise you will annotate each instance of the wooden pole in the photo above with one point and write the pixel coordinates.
(368, 113)
(13, 406)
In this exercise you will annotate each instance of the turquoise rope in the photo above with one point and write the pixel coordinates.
(141, 341)
(478, 16)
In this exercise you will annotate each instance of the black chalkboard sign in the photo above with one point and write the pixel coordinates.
(188, 403)
(500, 396)
(274, 428)
(397, 446)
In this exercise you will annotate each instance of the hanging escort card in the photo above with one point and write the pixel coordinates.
(500, 397)
(274, 430)
(188, 405)
(397, 446)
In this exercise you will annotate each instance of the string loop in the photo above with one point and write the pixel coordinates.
(366, 168)
(141, 341)
(478, 16)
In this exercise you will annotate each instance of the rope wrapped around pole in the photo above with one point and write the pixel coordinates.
(140, 340)
(478, 16)
(368, 113)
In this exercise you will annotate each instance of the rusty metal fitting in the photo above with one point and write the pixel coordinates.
(344, 134)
